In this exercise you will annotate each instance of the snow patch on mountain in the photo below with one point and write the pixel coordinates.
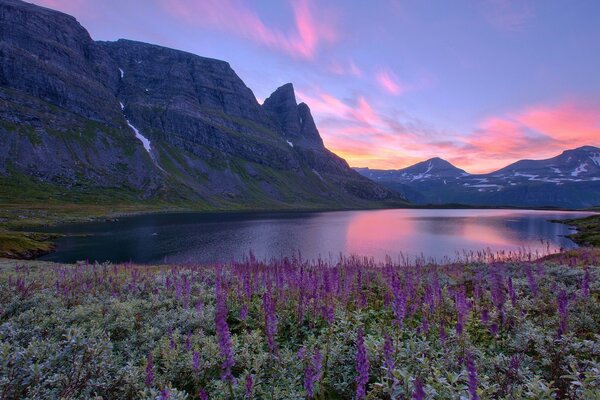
(579, 170)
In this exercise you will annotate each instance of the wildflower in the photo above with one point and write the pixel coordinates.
(443, 335)
(473, 380)
(312, 373)
(585, 283)
(196, 361)
(202, 395)
(301, 353)
(462, 309)
(149, 370)
(243, 312)
(388, 355)
(188, 341)
(270, 321)
(531, 281)
(164, 394)
(249, 386)
(511, 292)
(419, 392)
(362, 366)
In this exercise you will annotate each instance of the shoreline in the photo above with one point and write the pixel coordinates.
(24, 237)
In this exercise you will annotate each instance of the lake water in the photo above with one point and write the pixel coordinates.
(200, 237)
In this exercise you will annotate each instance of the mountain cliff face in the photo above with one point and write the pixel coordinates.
(148, 122)
(570, 180)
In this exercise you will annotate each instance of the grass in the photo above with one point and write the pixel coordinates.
(25, 245)
(588, 230)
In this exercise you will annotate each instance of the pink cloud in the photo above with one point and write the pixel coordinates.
(537, 132)
(366, 135)
(389, 82)
(234, 16)
(350, 69)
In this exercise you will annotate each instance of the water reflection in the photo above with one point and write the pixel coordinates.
(195, 237)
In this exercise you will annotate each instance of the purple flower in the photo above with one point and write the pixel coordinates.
(164, 394)
(196, 361)
(362, 366)
(301, 353)
(462, 309)
(419, 392)
(531, 281)
(399, 303)
(585, 283)
(511, 292)
(188, 341)
(223, 334)
(312, 373)
(443, 335)
(149, 370)
(485, 316)
(249, 386)
(270, 321)
(244, 312)
(388, 355)
(202, 395)
(473, 380)
(515, 363)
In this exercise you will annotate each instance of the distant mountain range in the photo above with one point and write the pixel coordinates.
(570, 180)
(125, 121)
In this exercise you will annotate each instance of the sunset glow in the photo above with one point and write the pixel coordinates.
(390, 83)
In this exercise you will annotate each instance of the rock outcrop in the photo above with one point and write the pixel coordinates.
(73, 109)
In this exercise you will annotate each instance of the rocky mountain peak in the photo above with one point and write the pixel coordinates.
(295, 120)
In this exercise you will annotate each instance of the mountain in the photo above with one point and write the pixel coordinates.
(570, 180)
(432, 169)
(82, 120)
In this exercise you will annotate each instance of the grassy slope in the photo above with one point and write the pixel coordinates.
(588, 230)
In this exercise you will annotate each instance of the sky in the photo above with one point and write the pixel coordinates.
(480, 83)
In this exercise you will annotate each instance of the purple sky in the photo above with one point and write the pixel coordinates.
(481, 83)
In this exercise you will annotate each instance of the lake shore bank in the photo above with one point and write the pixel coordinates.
(22, 236)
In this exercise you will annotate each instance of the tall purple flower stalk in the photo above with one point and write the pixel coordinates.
(249, 386)
(419, 392)
(585, 283)
(196, 361)
(149, 370)
(473, 380)
(531, 281)
(462, 309)
(388, 356)
(223, 334)
(312, 373)
(362, 366)
(270, 321)
(511, 292)
(165, 394)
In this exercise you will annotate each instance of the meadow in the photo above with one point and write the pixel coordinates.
(297, 329)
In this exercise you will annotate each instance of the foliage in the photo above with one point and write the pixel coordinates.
(294, 329)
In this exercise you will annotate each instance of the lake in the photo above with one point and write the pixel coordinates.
(222, 237)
